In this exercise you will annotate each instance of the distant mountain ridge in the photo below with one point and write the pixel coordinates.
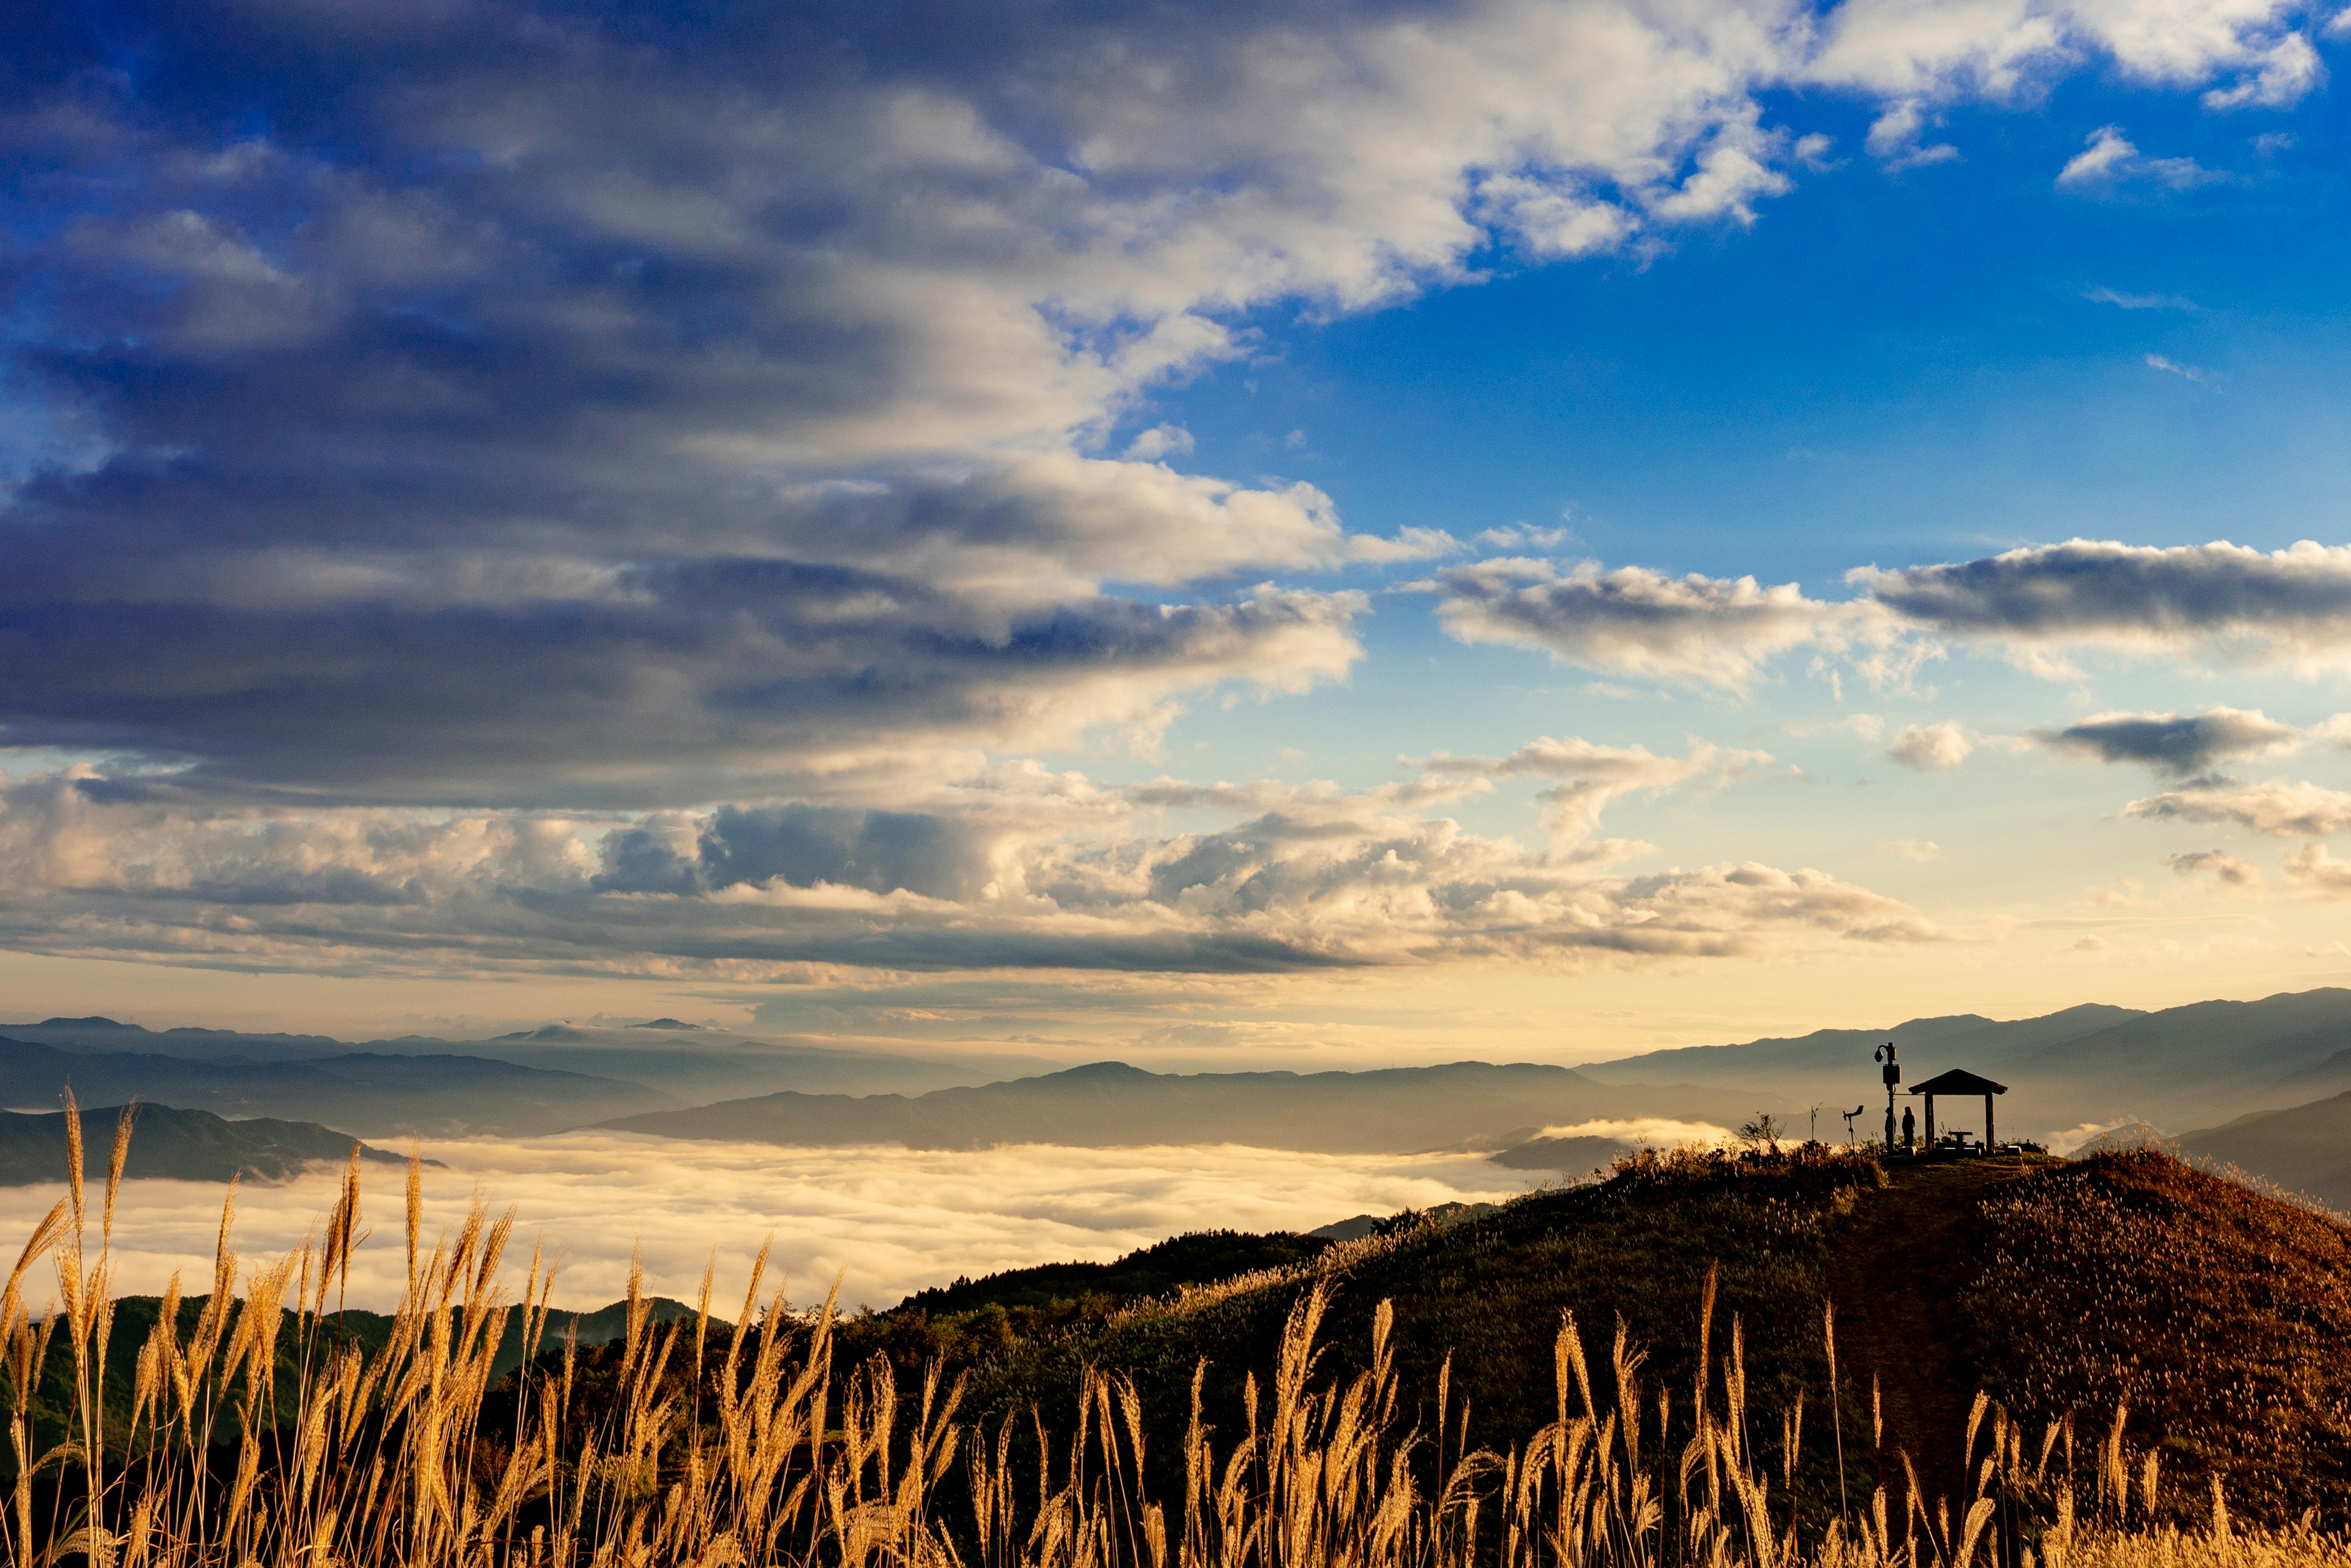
(2178, 1067)
(2306, 1149)
(183, 1146)
(1106, 1104)
(370, 1094)
(678, 1063)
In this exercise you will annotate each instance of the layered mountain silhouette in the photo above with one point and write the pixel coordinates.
(2086, 1067)
(2184, 1066)
(372, 1093)
(184, 1145)
(2306, 1149)
(531, 1081)
(1109, 1104)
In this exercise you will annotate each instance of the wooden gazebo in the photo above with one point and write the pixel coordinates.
(1959, 1081)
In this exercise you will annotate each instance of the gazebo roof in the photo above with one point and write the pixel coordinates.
(1959, 1081)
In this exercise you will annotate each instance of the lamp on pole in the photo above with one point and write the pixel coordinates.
(1892, 1072)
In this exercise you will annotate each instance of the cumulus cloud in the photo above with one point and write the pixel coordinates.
(1597, 775)
(2181, 745)
(2286, 604)
(2110, 158)
(2313, 869)
(2289, 606)
(887, 1221)
(1693, 629)
(1913, 849)
(1931, 747)
(446, 401)
(2296, 810)
(2225, 870)
(555, 423)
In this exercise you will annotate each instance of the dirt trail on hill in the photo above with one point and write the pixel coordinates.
(1892, 1279)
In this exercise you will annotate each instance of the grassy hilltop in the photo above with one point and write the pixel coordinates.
(2216, 1315)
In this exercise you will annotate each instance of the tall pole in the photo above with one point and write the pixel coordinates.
(1892, 1072)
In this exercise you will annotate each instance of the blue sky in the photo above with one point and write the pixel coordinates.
(1160, 534)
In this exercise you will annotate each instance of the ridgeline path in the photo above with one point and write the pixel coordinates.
(1891, 1277)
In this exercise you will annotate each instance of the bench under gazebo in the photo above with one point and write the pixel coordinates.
(1959, 1081)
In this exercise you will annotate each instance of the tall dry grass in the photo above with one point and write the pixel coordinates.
(766, 1453)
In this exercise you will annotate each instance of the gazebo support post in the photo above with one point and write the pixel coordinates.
(1989, 1139)
(1930, 1124)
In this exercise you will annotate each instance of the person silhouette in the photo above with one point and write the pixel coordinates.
(1909, 1128)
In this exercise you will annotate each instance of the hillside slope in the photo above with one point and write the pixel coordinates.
(2058, 1288)
(1109, 1105)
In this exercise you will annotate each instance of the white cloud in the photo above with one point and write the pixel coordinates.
(2107, 154)
(2313, 869)
(1011, 868)
(1595, 776)
(1894, 139)
(1524, 536)
(2174, 368)
(2296, 810)
(2285, 73)
(1931, 747)
(1913, 849)
(2111, 158)
(846, 322)
(1158, 442)
(889, 1221)
(2102, 296)
(1908, 52)
(1692, 629)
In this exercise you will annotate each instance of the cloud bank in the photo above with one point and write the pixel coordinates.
(1013, 867)
(530, 403)
(887, 1221)
(2033, 605)
(513, 486)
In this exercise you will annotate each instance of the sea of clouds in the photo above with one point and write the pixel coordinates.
(886, 1221)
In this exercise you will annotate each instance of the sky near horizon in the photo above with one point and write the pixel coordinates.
(1209, 535)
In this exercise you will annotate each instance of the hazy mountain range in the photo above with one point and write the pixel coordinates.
(186, 1145)
(2182, 1067)
(1106, 1104)
(372, 1093)
(2209, 1073)
(2307, 1149)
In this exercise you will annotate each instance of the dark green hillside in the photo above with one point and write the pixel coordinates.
(186, 1145)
